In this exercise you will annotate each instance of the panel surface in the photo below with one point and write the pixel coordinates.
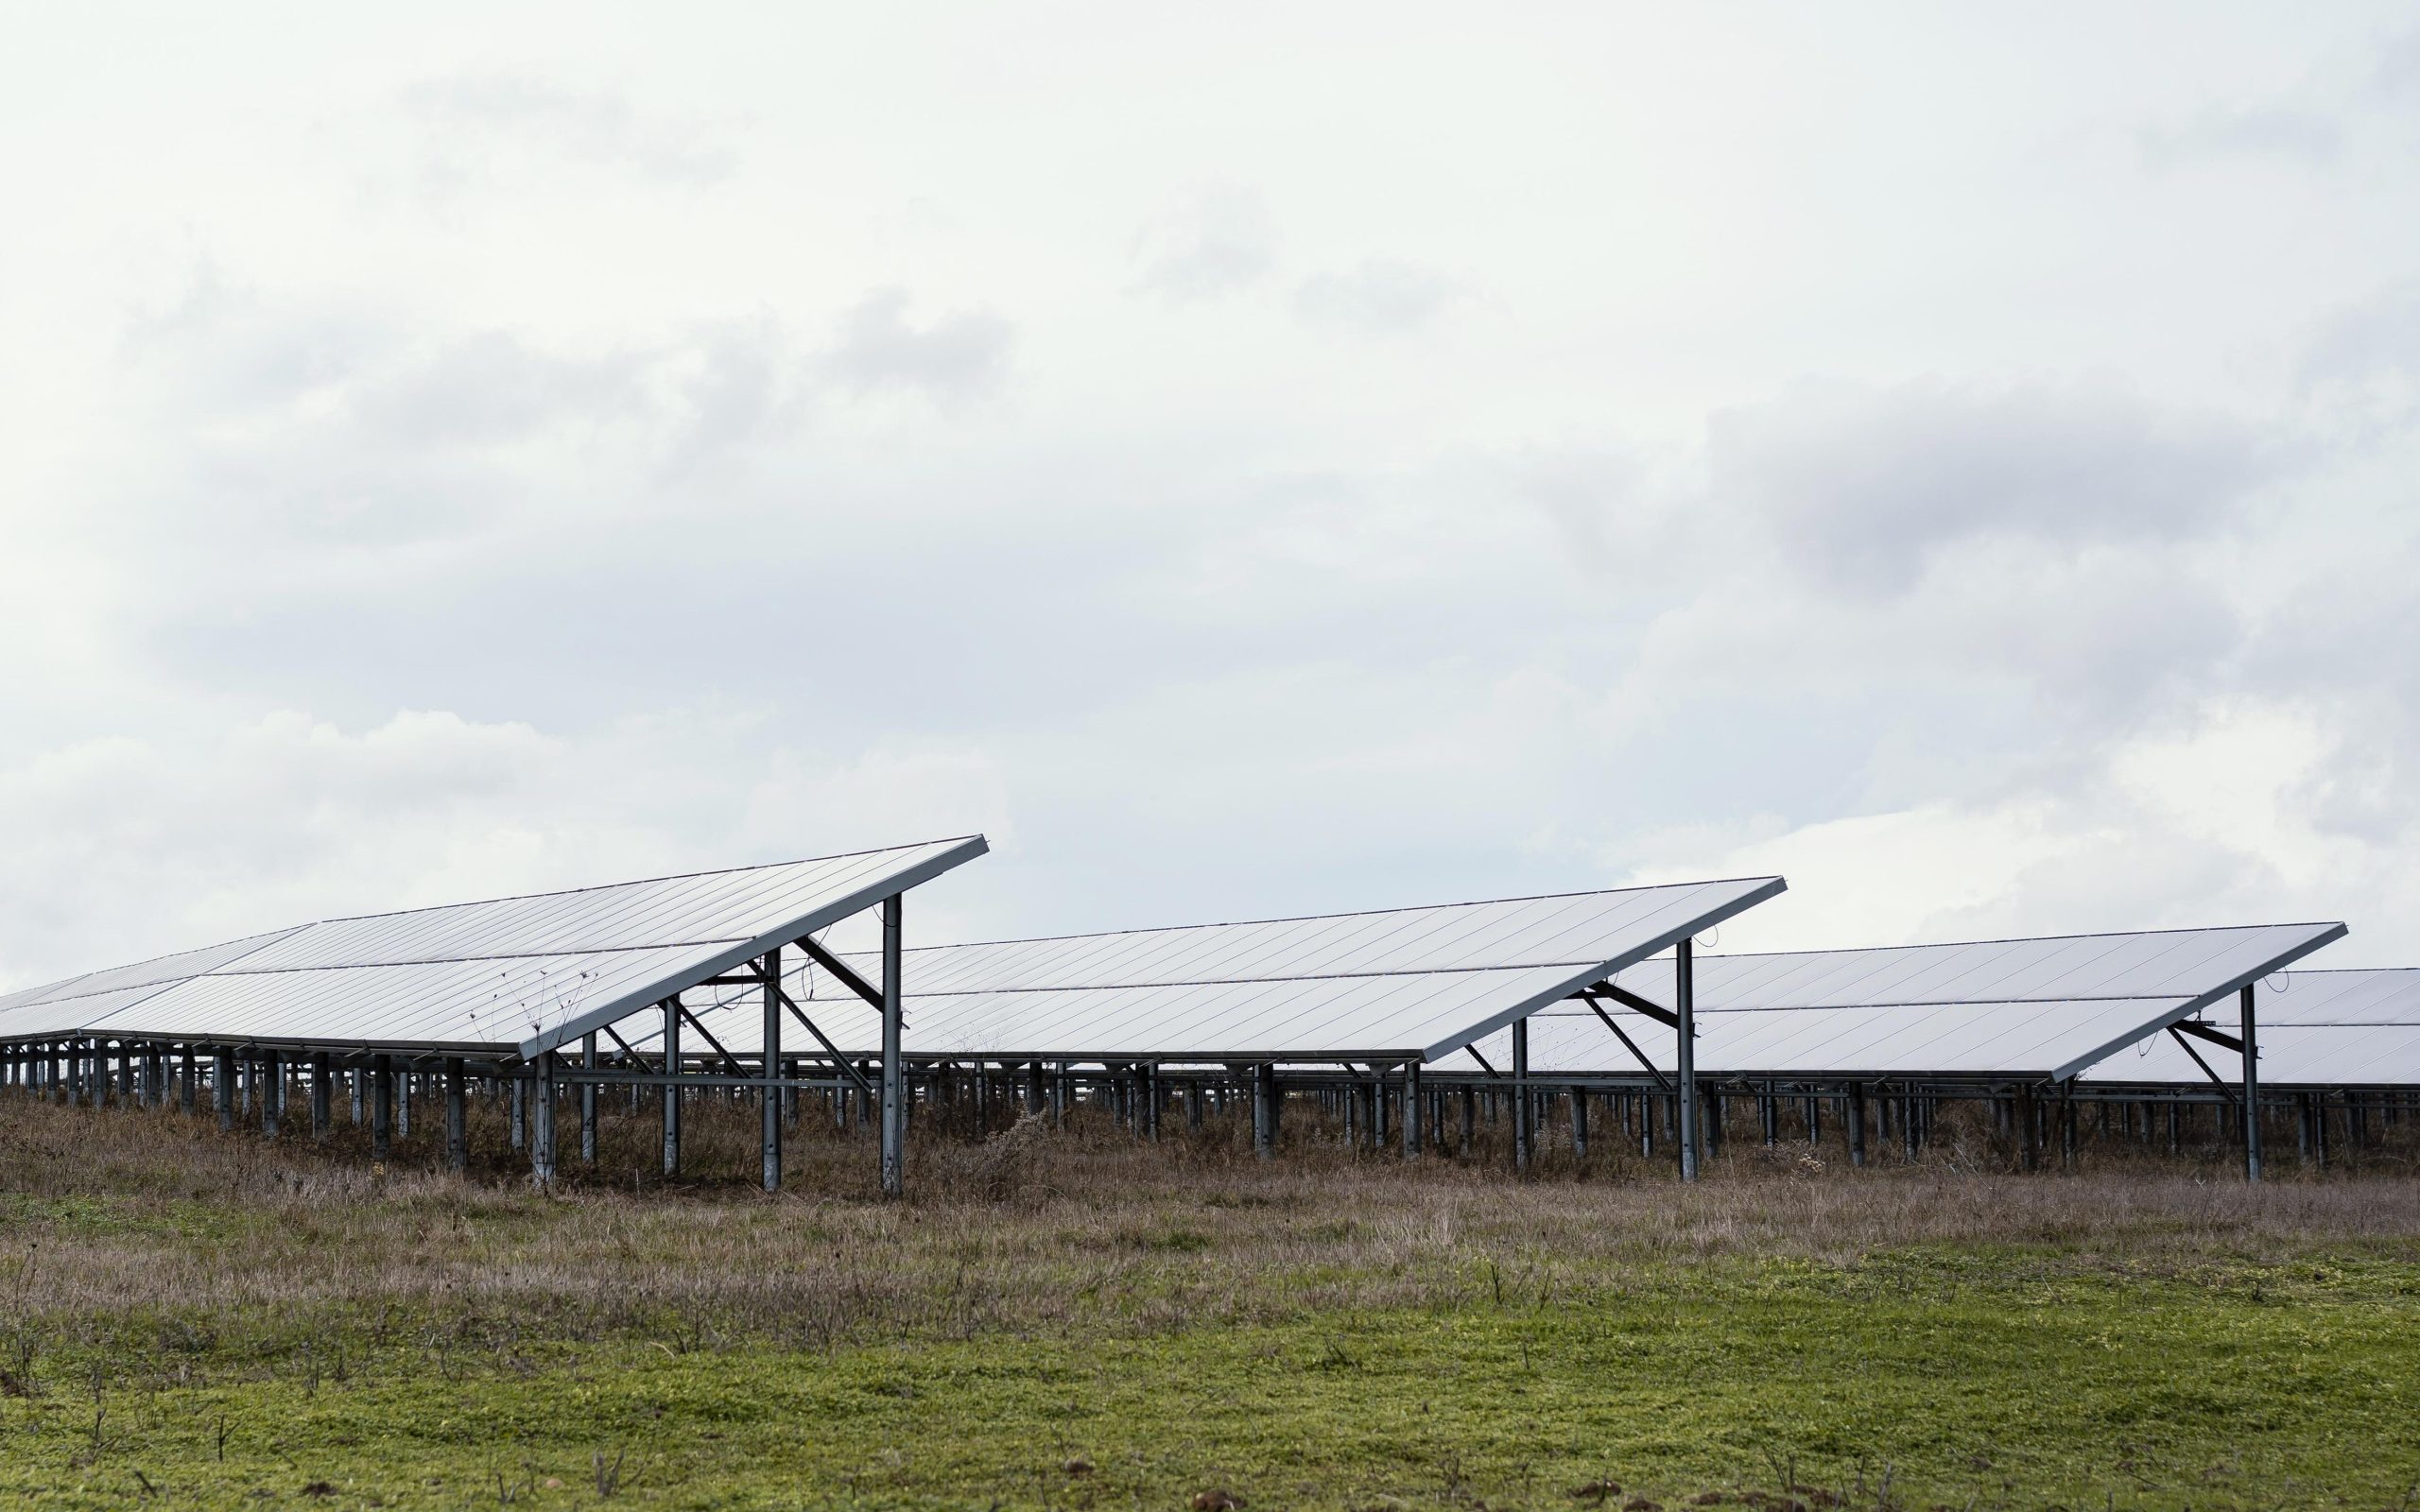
(2358, 1028)
(2030, 1008)
(1399, 983)
(516, 973)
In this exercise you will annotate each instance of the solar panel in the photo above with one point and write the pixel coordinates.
(1393, 985)
(68, 1003)
(2032, 1008)
(525, 973)
(2340, 1028)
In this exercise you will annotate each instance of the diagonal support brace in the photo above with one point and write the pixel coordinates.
(821, 1038)
(840, 971)
(1631, 1001)
(1634, 1049)
(2216, 1080)
(2203, 1031)
(728, 1060)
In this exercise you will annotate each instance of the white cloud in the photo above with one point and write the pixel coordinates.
(1218, 240)
(493, 131)
(1378, 297)
(757, 445)
(953, 356)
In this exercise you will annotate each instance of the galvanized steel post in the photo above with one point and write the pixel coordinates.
(1521, 1110)
(1685, 1009)
(2251, 1088)
(382, 1108)
(769, 1053)
(319, 1095)
(588, 1100)
(541, 1133)
(1415, 1131)
(894, 1090)
(671, 1086)
(457, 1140)
(1264, 1111)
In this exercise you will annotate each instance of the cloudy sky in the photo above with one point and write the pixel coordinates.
(1243, 460)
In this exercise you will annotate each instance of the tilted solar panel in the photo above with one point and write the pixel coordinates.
(516, 973)
(2042, 1008)
(1391, 984)
(2335, 1029)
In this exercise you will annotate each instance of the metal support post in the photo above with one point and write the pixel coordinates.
(1413, 1133)
(1685, 995)
(1521, 1109)
(1580, 1123)
(1264, 1111)
(222, 1086)
(2251, 1088)
(1857, 1122)
(382, 1108)
(769, 1055)
(588, 1100)
(458, 1133)
(671, 1086)
(894, 1088)
(541, 1132)
(319, 1095)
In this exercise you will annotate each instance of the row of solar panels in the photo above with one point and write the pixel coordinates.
(524, 975)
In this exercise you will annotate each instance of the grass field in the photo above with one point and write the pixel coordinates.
(1072, 1320)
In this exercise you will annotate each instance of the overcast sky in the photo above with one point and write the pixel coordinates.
(1245, 460)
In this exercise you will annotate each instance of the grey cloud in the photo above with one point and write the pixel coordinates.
(954, 357)
(490, 387)
(2284, 132)
(1864, 486)
(596, 128)
(1218, 241)
(2376, 335)
(2397, 73)
(1381, 296)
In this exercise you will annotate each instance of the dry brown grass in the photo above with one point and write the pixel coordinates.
(113, 1215)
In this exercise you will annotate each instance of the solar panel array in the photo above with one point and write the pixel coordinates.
(1395, 984)
(2045, 1007)
(520, 974)
(524, 974)
(2340, 1028)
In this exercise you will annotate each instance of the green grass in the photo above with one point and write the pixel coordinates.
(1991, 1377)
(1139, 1330)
